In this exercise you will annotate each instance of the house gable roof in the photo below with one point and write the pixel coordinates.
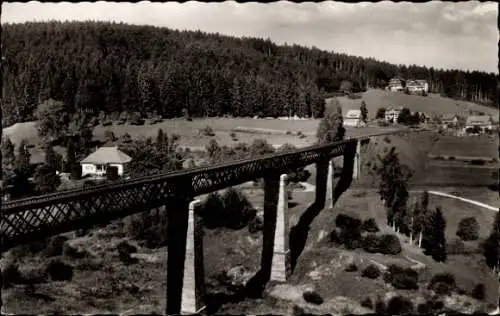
(106, 155)
(449, 116)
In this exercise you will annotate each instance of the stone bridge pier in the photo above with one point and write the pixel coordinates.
(185, 284)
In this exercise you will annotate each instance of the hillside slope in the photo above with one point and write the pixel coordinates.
(435, 104)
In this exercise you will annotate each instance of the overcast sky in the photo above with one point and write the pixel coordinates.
(439, 34)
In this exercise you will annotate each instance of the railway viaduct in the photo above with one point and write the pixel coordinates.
(27, 220)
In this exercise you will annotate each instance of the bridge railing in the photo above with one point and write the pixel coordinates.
(29, 219)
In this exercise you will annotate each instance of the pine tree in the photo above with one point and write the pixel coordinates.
(70, 155)
(491, 246)
(8, 159)
(52, 159)
(364, 111)
(434, 242)
(331, 127)
(23, 158)
(46, 179)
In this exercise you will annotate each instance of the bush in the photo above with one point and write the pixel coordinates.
(380, 306)
(389, 245)
(231, 210)
(443, 283)
(312, 297)
(432, 306)
(256, 225)
(336, 236)
(402, 278)
(351, 268)
(11, 275)
(107, 123)
(468, 229)
(124, 251)
(150, 227)
(371, 243)
(370, 226)
(371, 272)
(344, 221)
(479, 292)
(208, 131)
(56, 246)
(399, 305)
(71, 252)
(367, 302)
(60, 271)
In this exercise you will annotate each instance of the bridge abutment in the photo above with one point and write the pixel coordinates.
(321, 183)
(281, 268)
(330, 180)
(178, 213)
(193, 287)
(357, 163)
(271, 191)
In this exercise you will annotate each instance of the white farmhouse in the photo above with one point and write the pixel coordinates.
(96, 163)
(353, 119)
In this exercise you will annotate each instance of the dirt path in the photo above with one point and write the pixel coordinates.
(489, 207)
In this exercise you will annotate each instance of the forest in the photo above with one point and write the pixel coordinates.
(115, 68)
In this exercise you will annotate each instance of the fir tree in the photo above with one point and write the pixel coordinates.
(434, 242)
(364, 111)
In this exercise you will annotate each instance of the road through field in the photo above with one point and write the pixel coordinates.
(489, 207)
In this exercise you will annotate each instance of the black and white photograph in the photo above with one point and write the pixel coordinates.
(247, 158)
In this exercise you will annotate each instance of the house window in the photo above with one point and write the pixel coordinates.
(100, 168)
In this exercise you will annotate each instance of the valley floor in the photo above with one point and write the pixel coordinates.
(103, 283)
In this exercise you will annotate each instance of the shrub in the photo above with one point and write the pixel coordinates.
(231, 210)
(367, 302)
(370, 226)
(351, 268)
(208, 131)
(380, 306)
(432, 306)
(344, 221)
(60, 271)
(399, 305)
(150, 227)
(443, 283)
(336, 236)
(371, 272)
(71, 252)
(312, 297)
(389, 245)
(402, 278)
(468, 229)
(371, 243)
(11, 275)
(479, 292)
(256, 225)
(55, 246)
(107, 123)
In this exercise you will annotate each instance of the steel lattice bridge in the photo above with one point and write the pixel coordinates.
(36, 218)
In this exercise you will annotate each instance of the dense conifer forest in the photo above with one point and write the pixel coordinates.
(105, 68)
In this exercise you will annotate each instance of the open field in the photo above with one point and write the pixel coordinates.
(475, 147)
(432, 104)
(140, 287)
(276, 132)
